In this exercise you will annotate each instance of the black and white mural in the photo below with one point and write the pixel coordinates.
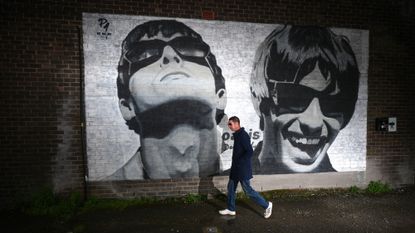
(158, 93)
(304, 87)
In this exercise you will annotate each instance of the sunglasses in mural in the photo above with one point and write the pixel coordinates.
(147, 52)
(294, 98)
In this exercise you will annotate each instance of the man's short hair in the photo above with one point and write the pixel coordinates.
(290, 53)
(235, 119)
(167, 28)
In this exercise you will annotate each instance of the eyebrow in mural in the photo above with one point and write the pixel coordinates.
(172, 93)
(304, 88)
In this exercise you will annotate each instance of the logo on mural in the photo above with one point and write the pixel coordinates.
(227, 138)
(104, 25)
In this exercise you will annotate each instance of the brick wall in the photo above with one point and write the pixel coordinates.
(41, 134)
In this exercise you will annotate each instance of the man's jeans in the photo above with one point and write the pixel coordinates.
(249, 191)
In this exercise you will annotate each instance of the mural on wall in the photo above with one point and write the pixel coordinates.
(171, 92)
(304, 87)
(157, 105)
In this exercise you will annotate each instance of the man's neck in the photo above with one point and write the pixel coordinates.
(237, 130)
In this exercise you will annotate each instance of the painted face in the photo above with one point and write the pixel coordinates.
(309, 117)
(169, 69)
(174, 99)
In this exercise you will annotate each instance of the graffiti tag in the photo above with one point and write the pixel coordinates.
(104, 25)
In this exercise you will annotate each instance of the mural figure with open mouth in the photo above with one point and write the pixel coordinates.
(304, 87)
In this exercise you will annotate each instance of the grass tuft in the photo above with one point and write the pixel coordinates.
(45, 202)
(377, 187)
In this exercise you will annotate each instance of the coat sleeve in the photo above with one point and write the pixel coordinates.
(246, 144)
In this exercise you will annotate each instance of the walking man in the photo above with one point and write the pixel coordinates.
(241, 170)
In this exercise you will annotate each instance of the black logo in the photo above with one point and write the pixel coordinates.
(104, 25)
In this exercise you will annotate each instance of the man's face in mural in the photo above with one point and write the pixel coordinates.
(174, 99)
(308, 119)
(304, 87)
(179, 71)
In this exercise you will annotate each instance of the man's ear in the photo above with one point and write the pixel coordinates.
(126, 109)
(221, 99)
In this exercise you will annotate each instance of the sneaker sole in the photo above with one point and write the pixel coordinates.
(231, 214)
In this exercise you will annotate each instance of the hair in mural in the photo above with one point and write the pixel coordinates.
(138, 50)
(304, 88)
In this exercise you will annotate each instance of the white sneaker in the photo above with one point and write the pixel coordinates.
(227, 212)
(268, 211)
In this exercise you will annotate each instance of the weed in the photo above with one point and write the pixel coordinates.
(45, 202)
(41, 202)
(194, 198)
(377, 187)
(354, 190)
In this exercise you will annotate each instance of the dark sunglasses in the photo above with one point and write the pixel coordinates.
(294, 98)
(147, 52)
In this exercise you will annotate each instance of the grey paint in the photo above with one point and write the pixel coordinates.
(109, 142)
